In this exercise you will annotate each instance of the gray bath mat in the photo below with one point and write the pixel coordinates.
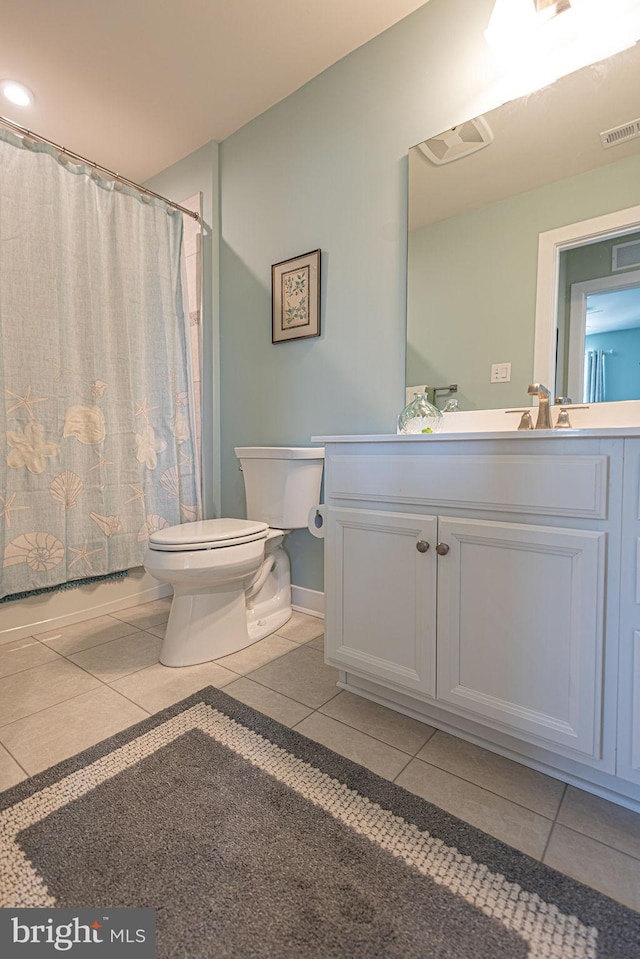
(251, 841)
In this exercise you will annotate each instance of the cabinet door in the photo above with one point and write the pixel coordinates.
(520, 613)
(380, 591)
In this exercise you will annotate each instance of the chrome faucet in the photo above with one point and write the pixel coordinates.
(544, 418)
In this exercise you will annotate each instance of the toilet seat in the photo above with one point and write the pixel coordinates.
(208, 534)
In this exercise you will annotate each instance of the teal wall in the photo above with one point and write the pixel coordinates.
(327, 167)
(622, 366)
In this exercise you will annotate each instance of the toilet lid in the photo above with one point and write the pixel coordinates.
(208, 534)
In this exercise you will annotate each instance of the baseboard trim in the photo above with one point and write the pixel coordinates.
(39, 614)
(44, 613)
(310, 601)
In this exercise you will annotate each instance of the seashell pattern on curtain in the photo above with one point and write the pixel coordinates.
(98, 440)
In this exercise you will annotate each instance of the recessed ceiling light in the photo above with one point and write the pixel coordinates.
(17, 93)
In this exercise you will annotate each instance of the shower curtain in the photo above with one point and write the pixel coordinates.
(97, 429)
(192, 247)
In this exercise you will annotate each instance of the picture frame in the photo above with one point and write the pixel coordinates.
(295, 298)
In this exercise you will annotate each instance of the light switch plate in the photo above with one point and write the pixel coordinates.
(501, 372)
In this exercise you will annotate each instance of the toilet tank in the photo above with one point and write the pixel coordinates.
(282, 483)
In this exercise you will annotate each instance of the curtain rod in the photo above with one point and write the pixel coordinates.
(96, 166)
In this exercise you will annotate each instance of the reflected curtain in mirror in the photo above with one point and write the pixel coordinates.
(594, 377)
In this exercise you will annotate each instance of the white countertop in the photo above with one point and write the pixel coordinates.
(562, 434)
(597, 420)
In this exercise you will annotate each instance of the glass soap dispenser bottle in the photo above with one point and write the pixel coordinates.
(420, 416)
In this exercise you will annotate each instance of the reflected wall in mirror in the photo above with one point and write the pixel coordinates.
(474, 229)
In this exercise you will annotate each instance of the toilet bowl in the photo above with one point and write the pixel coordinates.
(231, 577)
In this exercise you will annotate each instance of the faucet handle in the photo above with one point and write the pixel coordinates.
(526, 423)
(563, 422)
(563, 401)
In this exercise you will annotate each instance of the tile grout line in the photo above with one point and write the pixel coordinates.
(408, 763)
(554, 823)
(491, 792)
(67, 657)
(116, 622)
(129, 701)
(16, 760)
(68, 699)
(219, 662)
(414, 755)
(383, 742)
(606, 845)
(25, 669)
(343, 722)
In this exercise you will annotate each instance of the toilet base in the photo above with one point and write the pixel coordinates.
(263, 625)
(204, 626)
(207, 624)
(270, 607)
(201, 635)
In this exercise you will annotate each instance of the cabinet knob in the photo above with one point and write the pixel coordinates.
(422, 546)
(442, 549)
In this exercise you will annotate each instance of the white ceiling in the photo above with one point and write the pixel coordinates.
(135, 85)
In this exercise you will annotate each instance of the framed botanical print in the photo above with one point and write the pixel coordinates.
(295, 298)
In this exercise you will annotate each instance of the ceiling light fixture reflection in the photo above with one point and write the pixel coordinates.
(537, 41)
(17, 93)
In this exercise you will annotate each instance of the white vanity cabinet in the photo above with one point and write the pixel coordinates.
(475, 583)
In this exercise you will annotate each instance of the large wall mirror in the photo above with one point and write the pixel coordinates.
(524, 248)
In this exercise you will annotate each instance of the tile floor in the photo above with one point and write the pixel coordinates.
(67, 689)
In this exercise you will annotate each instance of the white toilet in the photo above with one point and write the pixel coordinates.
(231, 578)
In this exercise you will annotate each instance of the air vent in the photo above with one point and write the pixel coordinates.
(625, 256)
(611, 138)
(457, 142)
